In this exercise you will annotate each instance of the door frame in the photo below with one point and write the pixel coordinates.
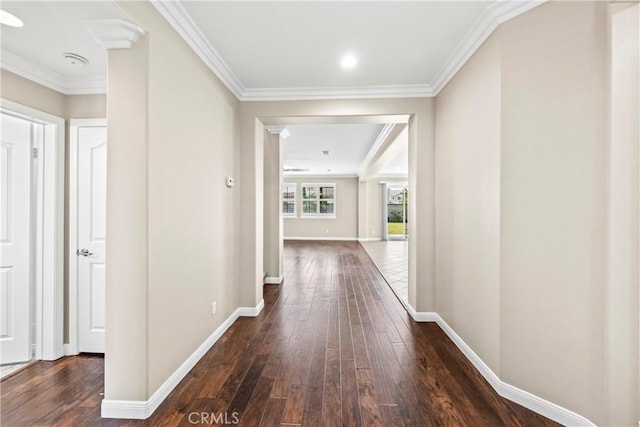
(48, 271)
(74, 125)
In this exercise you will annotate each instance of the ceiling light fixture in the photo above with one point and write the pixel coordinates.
(75, 59)
(7, 18)
(348, 61)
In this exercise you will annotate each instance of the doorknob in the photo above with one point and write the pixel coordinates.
(84, 252)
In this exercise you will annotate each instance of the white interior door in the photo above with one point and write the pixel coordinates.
(15, 240)
(91, 223)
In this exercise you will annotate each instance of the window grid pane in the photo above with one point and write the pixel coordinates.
(318, 199)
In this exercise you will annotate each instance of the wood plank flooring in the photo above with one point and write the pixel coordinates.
(333, 347)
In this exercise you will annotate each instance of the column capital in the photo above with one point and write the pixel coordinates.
(114, 33)
(278, 130)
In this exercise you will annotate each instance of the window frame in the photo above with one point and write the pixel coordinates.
(293, 214)
(317, 199)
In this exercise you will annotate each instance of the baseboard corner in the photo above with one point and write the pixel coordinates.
(273, 280)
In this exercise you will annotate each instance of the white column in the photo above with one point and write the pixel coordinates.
(273, 222)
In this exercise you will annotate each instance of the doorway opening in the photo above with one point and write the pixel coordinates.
(31, 236)
(397, 213)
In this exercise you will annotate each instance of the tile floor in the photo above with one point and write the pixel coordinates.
(392, 259)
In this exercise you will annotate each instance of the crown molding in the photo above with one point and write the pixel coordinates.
(495, 14)
(124, 34)
(316, 93)
(114, 33)
(182, 22)
(35, 72)
(380, 139)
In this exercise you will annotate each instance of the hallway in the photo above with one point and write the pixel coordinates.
(332, 347)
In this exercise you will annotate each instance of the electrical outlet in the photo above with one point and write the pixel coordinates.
(213, 308)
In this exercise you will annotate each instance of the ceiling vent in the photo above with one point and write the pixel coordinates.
(75, 60)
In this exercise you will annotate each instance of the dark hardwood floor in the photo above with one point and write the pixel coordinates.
(332, 347)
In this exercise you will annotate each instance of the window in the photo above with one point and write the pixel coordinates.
(289, 199)
(319, 200)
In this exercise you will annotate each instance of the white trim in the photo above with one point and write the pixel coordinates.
(293, 175)
(74, 126)
(68, 351)
(50, 229)
(273, 280)
(494, 15)
(143, 409)
(535, 403)
(114, 33)
(337, 239)
(251, 311)
(421, 316)
(381, 138)
(319, 93)
(182, 22)
(369, 239)
(46, 77)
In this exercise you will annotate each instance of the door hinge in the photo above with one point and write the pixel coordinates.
(34, 153)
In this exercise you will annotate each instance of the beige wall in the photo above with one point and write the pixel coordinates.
(468, 203)
(523, 213)
(343, 226)
(273, 223)
(552, 204)
(190, 216)
(25, 92)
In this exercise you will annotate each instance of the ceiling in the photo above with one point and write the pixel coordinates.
(50, 29)
(266, 50)
(398, 164)
(273, 50)
(300, 44)
(348, 145)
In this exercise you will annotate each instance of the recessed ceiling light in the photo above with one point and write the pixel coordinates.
(348, 61)
(75, 59)
(11, 20)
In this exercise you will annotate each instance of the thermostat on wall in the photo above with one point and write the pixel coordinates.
(229, 181)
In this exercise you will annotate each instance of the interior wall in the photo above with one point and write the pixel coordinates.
(192, 262)
(26, 92)
(524, 212)
(343, 226)
(468, 203)
(622, 282)
(553, 204)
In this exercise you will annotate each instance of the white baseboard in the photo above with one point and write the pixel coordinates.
(68, 350)
(422, 316)
(536, 404)
(339, 239)
(369, 239)
(140, 410)
(250, 311)
(274, 280)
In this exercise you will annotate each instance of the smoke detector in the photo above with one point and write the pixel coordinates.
(75, 59)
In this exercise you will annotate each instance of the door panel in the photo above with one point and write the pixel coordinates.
(92, 201)
(15, 239)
